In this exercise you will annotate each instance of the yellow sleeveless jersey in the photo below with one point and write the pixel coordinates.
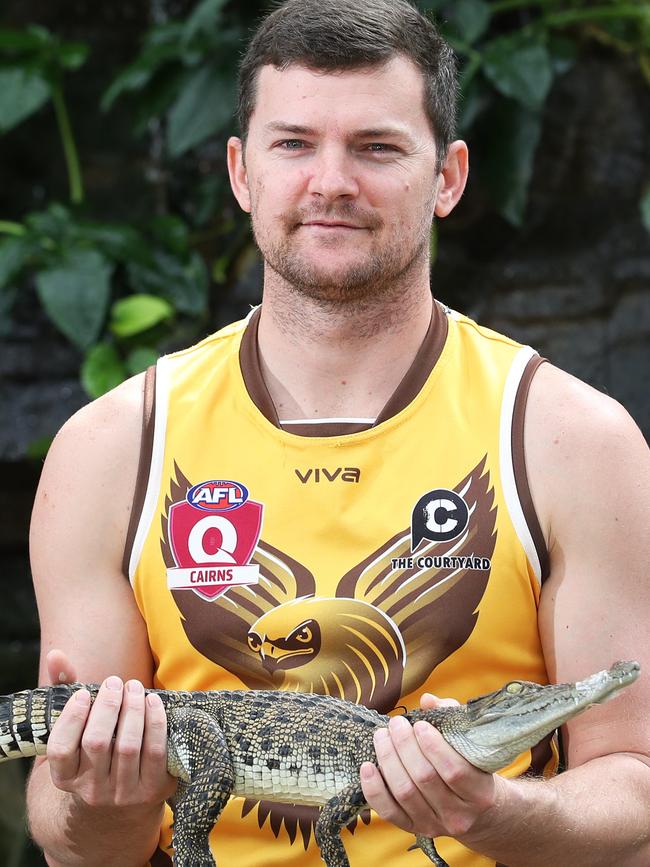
(371, 565)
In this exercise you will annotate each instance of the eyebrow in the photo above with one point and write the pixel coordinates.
(370, 132)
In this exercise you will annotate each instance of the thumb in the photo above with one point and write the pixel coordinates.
(429, 701)
(59, 668)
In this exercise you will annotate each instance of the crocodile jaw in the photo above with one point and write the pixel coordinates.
(504, 728)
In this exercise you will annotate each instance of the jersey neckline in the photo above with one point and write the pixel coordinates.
(408, 389)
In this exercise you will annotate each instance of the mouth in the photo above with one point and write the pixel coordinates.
(328, 225)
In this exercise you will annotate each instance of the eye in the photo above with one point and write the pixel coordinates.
(304, 635)
(292, 144)
(377, 147)
(514, 687)
(254, 642)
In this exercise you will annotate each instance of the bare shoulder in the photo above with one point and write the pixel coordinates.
(577, 440)
(102, 437)
(116, 416)
(569, 410)
(92, 464)
(589, 472)
(78, 533)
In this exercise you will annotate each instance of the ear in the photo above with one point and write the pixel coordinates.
(452, 178)
(238, 174)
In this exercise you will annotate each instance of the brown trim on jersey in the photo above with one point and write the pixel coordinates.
(420, 370)
(327, 429)
(408, 389)
(540, 755)
(144, 463)
(249, 361)
(519, 464)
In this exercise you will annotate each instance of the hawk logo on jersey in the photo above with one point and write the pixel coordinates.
(211, 550)
(388, 623)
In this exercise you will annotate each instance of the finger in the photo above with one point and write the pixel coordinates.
(59, 667)
(64, 742)
(153, 761)
(97, 739)
(125, 762)
(421, 795)
(459, 776)
(379, 798)
(429, 701)
(402, 786)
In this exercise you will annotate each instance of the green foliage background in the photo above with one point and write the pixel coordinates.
(123, 289)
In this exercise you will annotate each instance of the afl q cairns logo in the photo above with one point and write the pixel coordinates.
(213, 532)
(438, 516)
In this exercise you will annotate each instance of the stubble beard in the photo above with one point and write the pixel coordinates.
(381, 273)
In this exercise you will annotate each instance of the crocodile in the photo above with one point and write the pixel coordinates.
(304, 748)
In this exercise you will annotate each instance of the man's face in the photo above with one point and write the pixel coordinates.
(339, 174)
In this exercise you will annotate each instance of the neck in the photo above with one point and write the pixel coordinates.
(336, 359)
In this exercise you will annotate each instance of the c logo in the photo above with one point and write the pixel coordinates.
(438, 516)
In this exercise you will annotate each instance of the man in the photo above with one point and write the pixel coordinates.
(358, 492)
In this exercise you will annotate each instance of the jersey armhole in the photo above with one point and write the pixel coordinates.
(519, 462)
(513, 462)
(144, 464)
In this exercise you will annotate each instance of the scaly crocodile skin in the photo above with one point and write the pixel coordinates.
(304, 748)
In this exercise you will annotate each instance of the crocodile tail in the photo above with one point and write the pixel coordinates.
(27, 717)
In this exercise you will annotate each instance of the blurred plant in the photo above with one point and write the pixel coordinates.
(34, 62)
(120, 292)
(511, 51)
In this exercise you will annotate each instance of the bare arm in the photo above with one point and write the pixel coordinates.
(94, 801)
(589, 471)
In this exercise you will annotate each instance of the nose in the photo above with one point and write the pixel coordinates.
(332, 175)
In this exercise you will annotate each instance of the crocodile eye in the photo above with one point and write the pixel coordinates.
(514, 687)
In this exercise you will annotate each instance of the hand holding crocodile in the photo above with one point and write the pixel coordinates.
(305, 748)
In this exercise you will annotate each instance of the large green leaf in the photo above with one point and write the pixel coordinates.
(102, 370)
(510, 143)
(21, 41)
(520, 68)
(469, 19)
(22, 93)
(138, 313)
(184, 281)
(136, 76)
(204, 106)
(54, 224)
(162, 46)
(15, 252)
(72, 55)
(171, 232)
(75, 294)
(204, 17)
(140, 359)
(118, 241)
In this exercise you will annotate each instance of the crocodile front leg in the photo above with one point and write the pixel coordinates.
(335, 815)
(427, 845)
(198, 755)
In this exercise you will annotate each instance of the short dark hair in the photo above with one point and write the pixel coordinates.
(335, 35)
